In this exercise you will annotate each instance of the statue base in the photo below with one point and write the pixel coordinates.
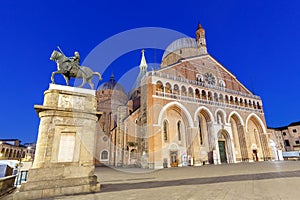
(56, 187)
(64, 159)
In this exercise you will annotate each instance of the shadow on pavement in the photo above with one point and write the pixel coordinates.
(197, 181)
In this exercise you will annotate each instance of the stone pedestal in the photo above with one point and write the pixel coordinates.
(64, 160)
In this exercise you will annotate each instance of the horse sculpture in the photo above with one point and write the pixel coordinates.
(69, 68)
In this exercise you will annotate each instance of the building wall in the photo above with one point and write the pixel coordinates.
(106, 141)
(287, 138)
(191, 107)
(229, 113)
(11, 150)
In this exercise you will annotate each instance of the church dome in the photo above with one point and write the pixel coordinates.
(180, 44)
(112, 85)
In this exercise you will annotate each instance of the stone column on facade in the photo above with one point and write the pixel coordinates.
(64, 161)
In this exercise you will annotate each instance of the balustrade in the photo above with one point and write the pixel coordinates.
(205, 101)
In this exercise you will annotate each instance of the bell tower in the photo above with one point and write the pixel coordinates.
(200, 39)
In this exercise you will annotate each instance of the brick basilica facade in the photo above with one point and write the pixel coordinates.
(190, 111)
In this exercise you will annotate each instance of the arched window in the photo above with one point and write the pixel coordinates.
(203, 94)
(236, 100)
(200, 133)
(183, 91)
(168, 88)
(222, 83)
(159, 86)
(7, 153)
(254, 105)
(179, 130)
(165, 130)
(258, 106)
(104, 155)
(176, 89)
(245, 103)
(226, 99)
(250, 104)
(199, 78)
(231, 100)
(197, 94)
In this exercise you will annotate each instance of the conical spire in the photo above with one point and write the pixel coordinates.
(143, 71)
(143, 64)
(112, 77)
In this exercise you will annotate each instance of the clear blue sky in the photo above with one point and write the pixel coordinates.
(258, 41)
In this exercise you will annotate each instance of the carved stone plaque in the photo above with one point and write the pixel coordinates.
(67, 101)
(66, 147)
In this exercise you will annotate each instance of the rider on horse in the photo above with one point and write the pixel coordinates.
(70, 62)
(75, 60)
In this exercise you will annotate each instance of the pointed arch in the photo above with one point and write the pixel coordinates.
(238, 116)
(259, 121)
(238, 135)
(227, 151)
(182, 107)
(210, 115)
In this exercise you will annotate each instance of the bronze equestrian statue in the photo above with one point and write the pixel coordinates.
(69, 67)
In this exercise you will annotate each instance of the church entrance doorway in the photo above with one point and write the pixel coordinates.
(222, 151)
(174, 158)
(255, 157)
